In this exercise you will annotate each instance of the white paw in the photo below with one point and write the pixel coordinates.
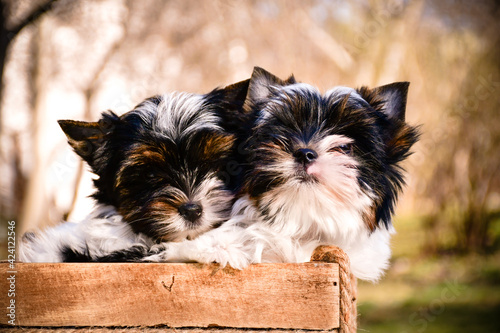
(230, 255)
(158, 253)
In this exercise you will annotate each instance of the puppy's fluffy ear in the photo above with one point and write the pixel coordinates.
(389, 102)
(228, 103)
(236, 93)
(87, 137)
(261, 84)
(393, 97)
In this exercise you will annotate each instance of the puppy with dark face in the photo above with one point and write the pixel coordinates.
(158, 169)
(324, 169)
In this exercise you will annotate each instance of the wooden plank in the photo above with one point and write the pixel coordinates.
(300, 296)
(155, 329)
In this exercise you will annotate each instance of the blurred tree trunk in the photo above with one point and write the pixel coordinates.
(34, 205)
(4, 43)
(89, 93)
(477, 218)
(466, 177)
(8, 32)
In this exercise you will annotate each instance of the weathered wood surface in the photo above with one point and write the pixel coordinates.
(161, 329)
(298, 296)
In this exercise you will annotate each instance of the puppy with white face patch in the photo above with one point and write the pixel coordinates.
(323, 169)
(158, 169)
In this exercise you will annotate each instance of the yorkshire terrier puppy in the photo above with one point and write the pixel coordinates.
(323, 169)
(159, 171)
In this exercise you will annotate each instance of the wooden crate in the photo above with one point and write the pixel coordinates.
(312, 296)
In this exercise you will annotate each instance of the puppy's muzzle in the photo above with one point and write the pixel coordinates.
(305, 156)
(191, 211)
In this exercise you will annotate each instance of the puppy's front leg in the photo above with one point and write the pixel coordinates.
(223, 246)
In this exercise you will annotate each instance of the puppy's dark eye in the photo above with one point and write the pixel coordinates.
(153, 174)
(344, 149)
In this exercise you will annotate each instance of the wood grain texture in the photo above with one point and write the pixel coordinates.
(298, 296)
(157, 329)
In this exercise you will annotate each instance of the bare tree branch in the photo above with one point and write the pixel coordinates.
(7, 34)
(32, 17)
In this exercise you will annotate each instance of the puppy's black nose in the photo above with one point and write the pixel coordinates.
(305, 155)
(190, 211)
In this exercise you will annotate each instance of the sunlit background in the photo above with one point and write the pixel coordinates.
(74, 59)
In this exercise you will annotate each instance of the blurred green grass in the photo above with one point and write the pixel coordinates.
(421, 293)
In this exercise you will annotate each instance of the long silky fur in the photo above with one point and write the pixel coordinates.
(345, 197)
(168, 151)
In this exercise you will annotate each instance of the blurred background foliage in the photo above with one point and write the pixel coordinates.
(72, 59)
